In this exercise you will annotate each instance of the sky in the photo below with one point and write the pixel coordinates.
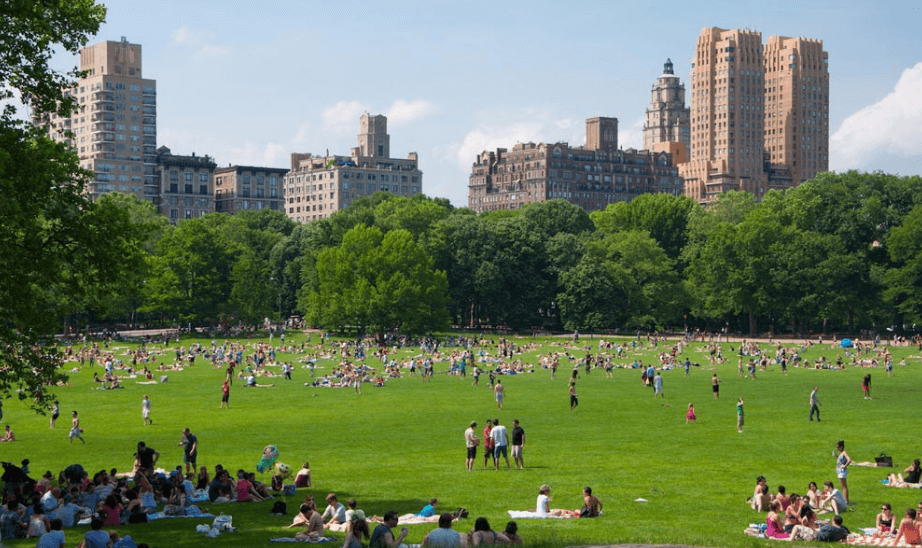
(249, 83)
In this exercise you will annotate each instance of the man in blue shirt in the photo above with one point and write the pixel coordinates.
(429, 510)
(96, 537)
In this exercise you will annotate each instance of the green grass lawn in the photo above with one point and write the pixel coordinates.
(397, 446)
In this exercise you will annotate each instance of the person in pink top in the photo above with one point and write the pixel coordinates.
(775, 529)
(245, 490)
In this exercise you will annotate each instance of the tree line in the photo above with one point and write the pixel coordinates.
(841, 252)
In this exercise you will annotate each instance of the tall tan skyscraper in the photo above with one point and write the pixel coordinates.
(726, 115)
(115, 130)
(667, 117)
(796, 107)
(753, 109)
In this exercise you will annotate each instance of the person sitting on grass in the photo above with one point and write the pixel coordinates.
(303, 518)
(335, 513)
(118, 541)
(833, 532)
(911, 479)
(760, 496)
(246, 492)
(592, 506)
(832, 499)
(53, 538)
(542, 506)
(303, 477)
(813, 496)
(314, 524)
(512, 533)
(775, 529)
(95, 537)
(358, 528)
(38, 522)
(444, 536)
(221, 488)
(908, 531)
(884, 521)
(483, 534)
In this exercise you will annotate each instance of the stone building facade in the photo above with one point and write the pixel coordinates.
(186, 185)
(244, 188)
(591, 176)
(317, 186)
(666, 127)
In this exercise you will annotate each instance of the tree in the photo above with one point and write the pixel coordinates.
(590, 296)
(378, 282)
(149, 227)
(59, 249)
(904, 278)
(557, 217)
(663, 216)
(31, 31)
(191, 273)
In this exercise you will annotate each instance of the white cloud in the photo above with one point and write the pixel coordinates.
(199, 43)
(343, 117)
(270, 154)
(504, 131)
(405, 112)
(180, 35)
(497, 129)
(632, 136)
(888, 128)
(303, 134)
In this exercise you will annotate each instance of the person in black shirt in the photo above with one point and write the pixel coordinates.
(518, 440)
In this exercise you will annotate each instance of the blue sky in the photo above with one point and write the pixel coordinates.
(251, 82)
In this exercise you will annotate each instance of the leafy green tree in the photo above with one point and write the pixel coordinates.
(646, 275)
(557, 216)
(149, 226)
(378, 282)
(664, 216)
(60, 251)
(416, 214)
(191, 273)
(904, 278)
(591, 296)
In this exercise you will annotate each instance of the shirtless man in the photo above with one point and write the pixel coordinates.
(908, 530)
(592, 506)
(499, 392)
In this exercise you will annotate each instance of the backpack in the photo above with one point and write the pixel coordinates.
(280, 507)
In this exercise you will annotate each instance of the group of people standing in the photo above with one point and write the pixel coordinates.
(495, 444)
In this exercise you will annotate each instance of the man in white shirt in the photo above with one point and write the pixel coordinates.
(500, 443)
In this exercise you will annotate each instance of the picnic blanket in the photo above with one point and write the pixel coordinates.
(527, 514)
(292, 539)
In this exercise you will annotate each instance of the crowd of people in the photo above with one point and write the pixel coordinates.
(794, 517)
